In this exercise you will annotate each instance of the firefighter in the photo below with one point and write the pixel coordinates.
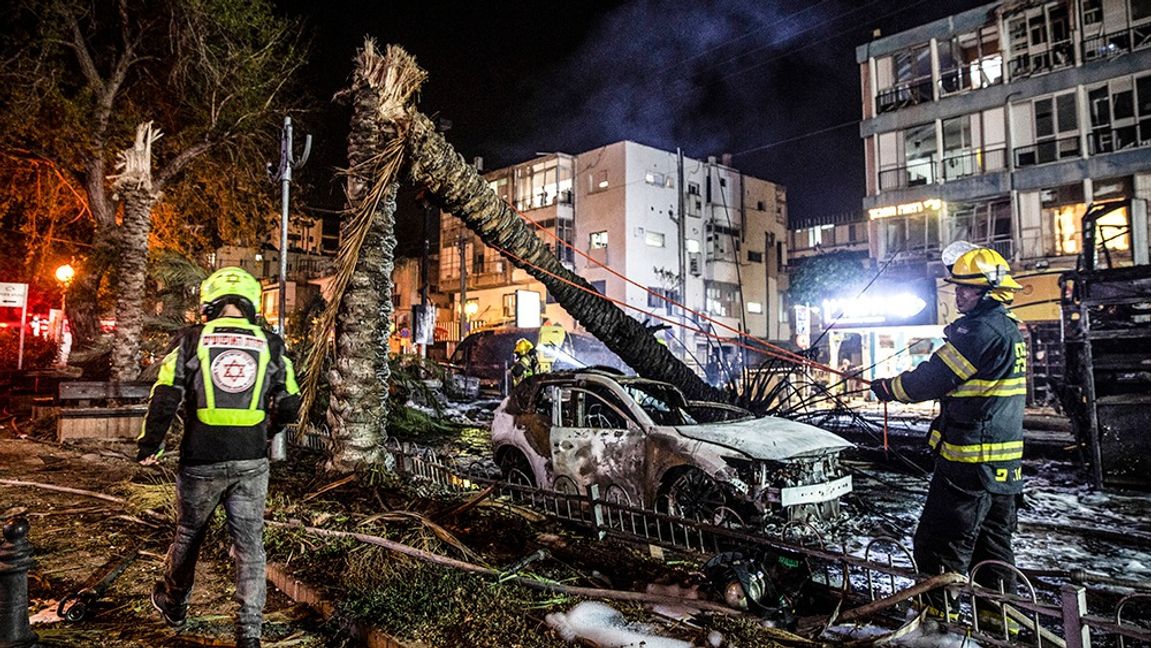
(237, 389)
(526, 364)
(980, 378)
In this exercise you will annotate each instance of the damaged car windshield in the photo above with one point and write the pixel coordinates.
(663, 403)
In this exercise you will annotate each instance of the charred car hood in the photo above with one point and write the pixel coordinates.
(768, 438)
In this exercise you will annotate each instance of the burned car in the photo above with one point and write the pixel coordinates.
(644, 445)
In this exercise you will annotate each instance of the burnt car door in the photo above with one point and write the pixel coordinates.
(595, 440)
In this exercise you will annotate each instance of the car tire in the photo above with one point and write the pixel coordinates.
(695, 495)
(515, 469)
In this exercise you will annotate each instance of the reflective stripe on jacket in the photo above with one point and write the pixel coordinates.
(980, 378)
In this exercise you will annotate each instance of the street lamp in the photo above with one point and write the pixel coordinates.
(64, 274)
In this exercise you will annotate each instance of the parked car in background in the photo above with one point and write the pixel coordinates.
(644, 445)
(483, 357)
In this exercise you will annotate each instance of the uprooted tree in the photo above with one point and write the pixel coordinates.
(386, 130)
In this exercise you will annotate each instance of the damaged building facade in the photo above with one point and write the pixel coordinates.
(699, 231)
(1001, 125)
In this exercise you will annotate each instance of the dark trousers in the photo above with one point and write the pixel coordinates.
(242, 487)
(962, 527)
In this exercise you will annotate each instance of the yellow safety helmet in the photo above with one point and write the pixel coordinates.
(230, 286)
(524, 347)
(985, 268)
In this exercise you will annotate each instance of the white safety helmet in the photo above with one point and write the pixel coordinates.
(951, 253)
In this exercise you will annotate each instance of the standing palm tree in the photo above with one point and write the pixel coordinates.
(361, 306)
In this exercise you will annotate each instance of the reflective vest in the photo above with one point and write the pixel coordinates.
(980, 378)
(228, 374)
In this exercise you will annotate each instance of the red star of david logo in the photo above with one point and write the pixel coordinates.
(234, 369)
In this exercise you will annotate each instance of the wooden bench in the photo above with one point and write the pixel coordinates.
(101, 410)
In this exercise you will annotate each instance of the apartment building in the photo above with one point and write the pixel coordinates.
(697, 231)
(1001, 125)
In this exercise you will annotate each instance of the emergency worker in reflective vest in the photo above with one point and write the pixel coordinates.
(238, 389)
(527, 364)
(980, 378)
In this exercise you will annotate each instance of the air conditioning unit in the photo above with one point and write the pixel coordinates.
(694, 265)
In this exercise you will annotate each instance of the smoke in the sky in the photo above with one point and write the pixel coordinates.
(704, 76)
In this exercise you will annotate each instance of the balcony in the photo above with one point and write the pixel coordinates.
(971, 75)
(1047, 151)
(1109, 140)
(903, 95)
(1056, 56)
(919, 172)
(973, 163)
(1105, 46)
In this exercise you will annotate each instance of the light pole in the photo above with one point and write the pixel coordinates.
(64, 274)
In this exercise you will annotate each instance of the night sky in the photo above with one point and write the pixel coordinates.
(751, 78)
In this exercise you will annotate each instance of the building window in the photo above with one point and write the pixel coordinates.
(1040, 40)
(597, 181)
(723, 182)
(693, 246)
(820, 234)
(657, 179)
(653, 239)
(754, 257)
(693, 188)
(597, 240)
(1120, 114)
(662, 298)
(722, 298)
(985, 224)
(755, 308)
(970, 61)
(1056, 132)
(722, 242)
(760, 205)
(509, 304)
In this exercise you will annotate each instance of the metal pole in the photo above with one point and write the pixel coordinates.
(463, 245)
(278, 449)
(285, 190)
(681, 226)
(23, 323)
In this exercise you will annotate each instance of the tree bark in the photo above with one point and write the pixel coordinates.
(437, 166)
(358, 402)
(135, 189)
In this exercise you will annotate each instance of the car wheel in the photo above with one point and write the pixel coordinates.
(515, 469)
(695, 495)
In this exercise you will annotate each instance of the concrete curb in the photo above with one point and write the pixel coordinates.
(301, 592)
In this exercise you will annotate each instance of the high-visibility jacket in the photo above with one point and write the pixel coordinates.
(980, 378)
(237, 386)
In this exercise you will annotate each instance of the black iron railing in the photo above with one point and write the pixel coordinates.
(1057, 55)
(959, 79)
(973, 163)
(1051, 150)
(905, 94)
(1109, 140)
(918, 172)
(1105, 46)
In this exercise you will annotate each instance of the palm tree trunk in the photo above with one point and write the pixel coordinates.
(135, 188)
(358, 403)
(437, 166)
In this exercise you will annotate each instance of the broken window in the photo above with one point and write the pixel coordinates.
(597, 240)
(722, 298)
(970, 61)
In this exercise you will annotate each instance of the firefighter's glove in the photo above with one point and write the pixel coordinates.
(881, 387)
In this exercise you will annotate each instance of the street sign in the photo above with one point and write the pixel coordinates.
(14, 295)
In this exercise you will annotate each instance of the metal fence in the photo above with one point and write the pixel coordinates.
(1054, 611)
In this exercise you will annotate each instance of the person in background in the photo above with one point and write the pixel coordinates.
(526, 362)
(237, 389)
(980, 378)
